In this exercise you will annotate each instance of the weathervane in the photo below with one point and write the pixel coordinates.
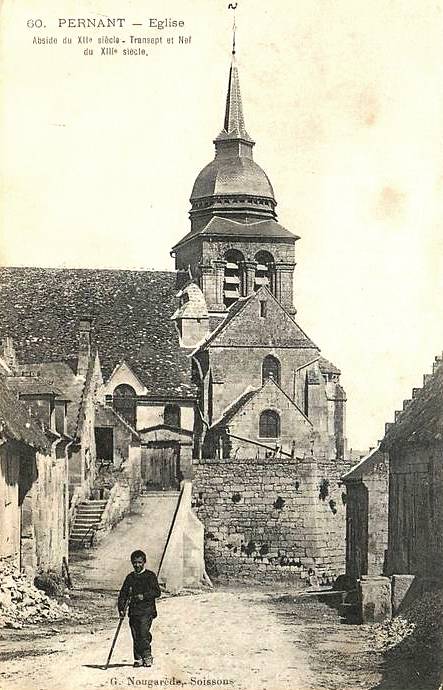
(233, 6)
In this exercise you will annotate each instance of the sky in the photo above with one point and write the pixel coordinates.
(345, 101)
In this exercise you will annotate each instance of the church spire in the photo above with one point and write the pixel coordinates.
(234, 122)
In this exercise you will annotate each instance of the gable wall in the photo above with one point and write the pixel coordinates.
(296, 432)
(122, 375)
(50, 511)
(235, 368)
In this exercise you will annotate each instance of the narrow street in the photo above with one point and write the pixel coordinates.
(241, 637)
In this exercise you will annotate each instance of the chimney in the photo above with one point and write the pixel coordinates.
(8, 353)
(84, 345)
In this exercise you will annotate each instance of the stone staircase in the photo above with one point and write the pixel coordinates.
(87, 515)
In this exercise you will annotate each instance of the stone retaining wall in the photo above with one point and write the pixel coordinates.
(272, 519)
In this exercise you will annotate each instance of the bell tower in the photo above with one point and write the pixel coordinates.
(235, 244)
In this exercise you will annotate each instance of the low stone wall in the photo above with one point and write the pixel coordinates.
(182, 564)
(118, 505)
(272, 519)
(50, 513)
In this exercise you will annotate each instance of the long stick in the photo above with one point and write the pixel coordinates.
(117, 633)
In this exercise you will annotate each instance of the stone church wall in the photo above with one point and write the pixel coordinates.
(271, 520)
(239, 367)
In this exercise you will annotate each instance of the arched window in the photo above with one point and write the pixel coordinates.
(270, 368)
(233, 282)
(264, 271)
(269, 425)
(171, 415)
(125, 403)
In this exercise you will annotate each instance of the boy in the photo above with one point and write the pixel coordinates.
(141, 589)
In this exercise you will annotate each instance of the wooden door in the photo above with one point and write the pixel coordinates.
(160, 467)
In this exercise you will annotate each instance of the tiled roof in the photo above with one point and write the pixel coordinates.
(15, 422)
(289, 333)
(422, 419)
(364, 465)
(194, 303)
(131, 312)
(223, 227)
(233, 310)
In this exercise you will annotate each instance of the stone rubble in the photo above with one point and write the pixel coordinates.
(423, 620)
(22, 603)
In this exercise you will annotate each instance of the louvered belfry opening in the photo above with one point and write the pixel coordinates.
(264, 271)
(233, 282)
(271, 369)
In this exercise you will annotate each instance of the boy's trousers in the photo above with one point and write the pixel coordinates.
(140, 628)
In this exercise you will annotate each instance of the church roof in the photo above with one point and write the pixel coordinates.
(34, 386)
(232, 332)
(235, 407)
(131, 313)
(224, 227)
(233, 172)
(232, 175)
(234, 123)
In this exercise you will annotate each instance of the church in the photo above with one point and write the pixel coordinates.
(211, 370)
(263, 385)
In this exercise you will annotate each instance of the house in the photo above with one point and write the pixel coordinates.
(414, 445)
(33, 484)
(367, 515)
(141, 371)
(62, 394)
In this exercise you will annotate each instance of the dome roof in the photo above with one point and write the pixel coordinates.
(232, 175)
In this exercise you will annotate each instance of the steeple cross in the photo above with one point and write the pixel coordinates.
(233, 6)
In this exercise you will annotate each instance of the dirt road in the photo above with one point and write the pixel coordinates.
(227, 636)
(241, 638)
